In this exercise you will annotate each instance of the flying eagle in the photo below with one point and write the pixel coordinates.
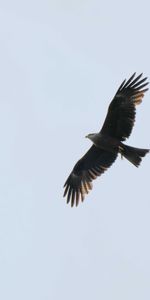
(107, 143)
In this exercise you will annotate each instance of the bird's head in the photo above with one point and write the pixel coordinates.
(91, 136)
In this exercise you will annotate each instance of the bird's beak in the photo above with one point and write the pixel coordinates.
(86, 136)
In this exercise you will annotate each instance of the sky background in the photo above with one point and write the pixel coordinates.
(61, 63)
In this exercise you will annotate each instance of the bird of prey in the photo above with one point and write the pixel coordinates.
(108, 142)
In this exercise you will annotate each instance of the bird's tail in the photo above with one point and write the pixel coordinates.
(134, 155)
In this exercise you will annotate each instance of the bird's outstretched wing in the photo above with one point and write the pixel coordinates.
(122, 110)
(91, 165)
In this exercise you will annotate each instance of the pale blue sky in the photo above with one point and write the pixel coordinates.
(61, 63)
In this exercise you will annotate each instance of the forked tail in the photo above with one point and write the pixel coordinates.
(134, 155)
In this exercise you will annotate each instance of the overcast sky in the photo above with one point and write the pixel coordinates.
(61, 63)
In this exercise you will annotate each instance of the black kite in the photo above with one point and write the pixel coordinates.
(108, 142)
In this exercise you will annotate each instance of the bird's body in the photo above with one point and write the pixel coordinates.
(104, 142)
(109, 141)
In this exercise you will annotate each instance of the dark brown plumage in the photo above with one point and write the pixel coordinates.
(108, 142)
(121, 113)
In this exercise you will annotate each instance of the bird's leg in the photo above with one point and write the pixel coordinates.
(120, 151)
